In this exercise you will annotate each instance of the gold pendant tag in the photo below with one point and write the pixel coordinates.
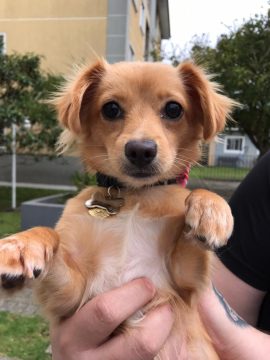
(98, 213)
(100, 206)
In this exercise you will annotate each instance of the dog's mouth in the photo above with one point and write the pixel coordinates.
(146, 172)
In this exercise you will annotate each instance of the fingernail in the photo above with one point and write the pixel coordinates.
(149, 285)
(10, 281)
(36, 272)
(168, 312)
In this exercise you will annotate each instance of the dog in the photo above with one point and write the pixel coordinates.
(138, 126)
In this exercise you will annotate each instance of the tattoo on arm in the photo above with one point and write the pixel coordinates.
(231, 314)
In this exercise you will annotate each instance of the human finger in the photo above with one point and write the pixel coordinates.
(97, 319)
(142, 342)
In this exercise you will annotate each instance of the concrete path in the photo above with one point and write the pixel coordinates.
(58, 171)
(220, 187)
(20, 302)
(40, 186)
(223, 188)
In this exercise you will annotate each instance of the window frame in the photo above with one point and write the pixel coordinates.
(135, 5)
(4, 35)
(131, 53)
(234, 151)
(142, 18)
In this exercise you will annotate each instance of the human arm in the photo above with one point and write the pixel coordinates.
(86, 335)
(245, 299)
(243, 272)
(232, 337)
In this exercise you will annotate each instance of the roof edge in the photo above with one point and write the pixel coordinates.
(164, 15)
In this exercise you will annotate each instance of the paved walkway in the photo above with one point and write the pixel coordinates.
(39, 186)
(29, 170)
(223, 188)
(20, 302)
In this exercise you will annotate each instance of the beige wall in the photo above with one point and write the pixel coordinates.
(64, 31)
(67, 32)
(136, 35)
(211, 153)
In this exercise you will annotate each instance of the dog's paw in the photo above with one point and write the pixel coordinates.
(208, 218)
(25, 256)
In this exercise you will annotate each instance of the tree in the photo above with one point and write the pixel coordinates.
(241, 61)
(24, 89)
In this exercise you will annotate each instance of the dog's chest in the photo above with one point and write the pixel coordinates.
(140, 253)
(143, 255)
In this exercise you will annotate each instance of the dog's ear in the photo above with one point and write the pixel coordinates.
(72, 101)
(210, 107)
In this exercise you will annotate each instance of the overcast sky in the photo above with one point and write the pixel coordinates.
(212, 17)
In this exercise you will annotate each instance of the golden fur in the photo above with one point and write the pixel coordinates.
(157, 232)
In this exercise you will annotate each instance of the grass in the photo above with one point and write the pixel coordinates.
(23, 337)
(10, 220)
(23, 194)
(9, 223)
(219, 173)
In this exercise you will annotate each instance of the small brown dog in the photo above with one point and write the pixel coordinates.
(138, 125)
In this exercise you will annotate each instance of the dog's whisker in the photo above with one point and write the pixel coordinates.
(185, 156)
(98, 157)
(185, 149)
(190, 162)
(182, 162)
(93, 146)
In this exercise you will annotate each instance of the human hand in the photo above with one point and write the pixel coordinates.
(232, 337)
(86, 335)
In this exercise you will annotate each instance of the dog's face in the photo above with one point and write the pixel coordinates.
(142, 122)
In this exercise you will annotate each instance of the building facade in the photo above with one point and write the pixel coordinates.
(77, 31)
(232, 148)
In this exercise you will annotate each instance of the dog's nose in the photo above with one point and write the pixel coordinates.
(141, 152)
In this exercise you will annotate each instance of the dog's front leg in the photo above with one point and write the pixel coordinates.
(208, 218)
(208, 224)
(26, 255)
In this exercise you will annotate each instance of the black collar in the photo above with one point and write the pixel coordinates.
(107, 181)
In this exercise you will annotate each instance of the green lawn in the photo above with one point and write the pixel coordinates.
(218, 173)
(23, 337)
(9, 222)
(23, 194)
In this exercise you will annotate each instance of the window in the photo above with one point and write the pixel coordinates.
(142, 18)
(131, 53)
(135, 5)
(234, 144)
(3, 43)
(147, 43)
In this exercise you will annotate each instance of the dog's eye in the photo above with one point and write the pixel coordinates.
(112, 111)
(173, 110)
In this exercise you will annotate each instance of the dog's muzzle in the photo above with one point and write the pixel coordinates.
(140, 155)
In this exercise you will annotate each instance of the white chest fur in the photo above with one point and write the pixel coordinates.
(140, 253)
